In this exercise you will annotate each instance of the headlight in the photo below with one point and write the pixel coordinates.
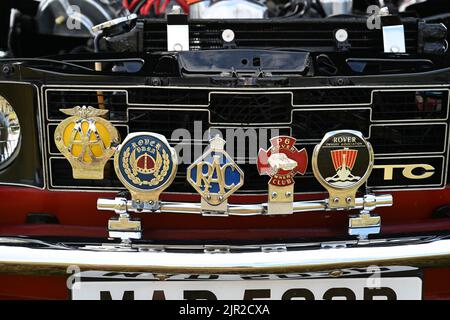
(9, 133)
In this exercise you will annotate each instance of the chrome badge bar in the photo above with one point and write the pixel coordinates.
(341, 162)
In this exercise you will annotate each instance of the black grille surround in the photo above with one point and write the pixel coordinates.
(404, 125)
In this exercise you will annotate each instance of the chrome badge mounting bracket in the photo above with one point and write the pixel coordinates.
(342, 162)
(146, 165)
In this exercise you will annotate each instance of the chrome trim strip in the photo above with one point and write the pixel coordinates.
(25, 257)
(244, 91)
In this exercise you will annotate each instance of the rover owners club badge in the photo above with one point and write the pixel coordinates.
(342, 162)
(146, 165)
(215, 176)
(282, 161)
(86, 140)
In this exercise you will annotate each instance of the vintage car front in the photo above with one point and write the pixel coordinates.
(222, 154)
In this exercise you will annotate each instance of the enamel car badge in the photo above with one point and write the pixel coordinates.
(86, 140)
(342, 162)
(282, 161)
(146, 165)
(215, 176)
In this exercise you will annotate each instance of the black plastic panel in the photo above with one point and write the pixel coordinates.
(27, 168)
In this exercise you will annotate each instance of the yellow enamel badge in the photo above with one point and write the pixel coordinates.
(86, 140)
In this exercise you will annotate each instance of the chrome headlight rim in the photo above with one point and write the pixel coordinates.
(6, 113)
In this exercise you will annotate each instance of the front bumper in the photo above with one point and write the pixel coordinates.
(28, 256)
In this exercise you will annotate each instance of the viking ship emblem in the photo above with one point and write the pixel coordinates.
(343, 162)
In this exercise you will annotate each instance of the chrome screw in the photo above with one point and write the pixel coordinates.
(336, 273)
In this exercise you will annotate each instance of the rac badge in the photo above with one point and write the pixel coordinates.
(86, 140)
(215, 176)
(342, 162)
(282, 161)
(146, 165)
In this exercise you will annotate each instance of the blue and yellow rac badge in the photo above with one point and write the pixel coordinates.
(215, 176)
(146, 165)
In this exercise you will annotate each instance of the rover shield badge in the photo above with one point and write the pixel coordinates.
(86, 140)
(282, 161)
(215, 176)
(342, 162)
(146, 165)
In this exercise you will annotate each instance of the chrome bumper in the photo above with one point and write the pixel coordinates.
(26, 256)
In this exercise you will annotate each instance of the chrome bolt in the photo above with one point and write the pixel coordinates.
(341, 35)
(274, 195)
(228, 35)
(348, 199)
(288, 194)
(208, 197)
(336, 273)
(177, 47)
(336, 200)
(161, 277)
(220, 198)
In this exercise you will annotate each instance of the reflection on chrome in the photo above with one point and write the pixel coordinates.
(9, 133)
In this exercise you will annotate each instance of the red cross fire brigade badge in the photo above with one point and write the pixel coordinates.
(282, 161)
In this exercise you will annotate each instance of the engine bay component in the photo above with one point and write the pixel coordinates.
(227, 9)
(337, 7)
(244, 61)
(75, 18)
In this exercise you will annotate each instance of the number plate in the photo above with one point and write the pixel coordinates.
(360, 284)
